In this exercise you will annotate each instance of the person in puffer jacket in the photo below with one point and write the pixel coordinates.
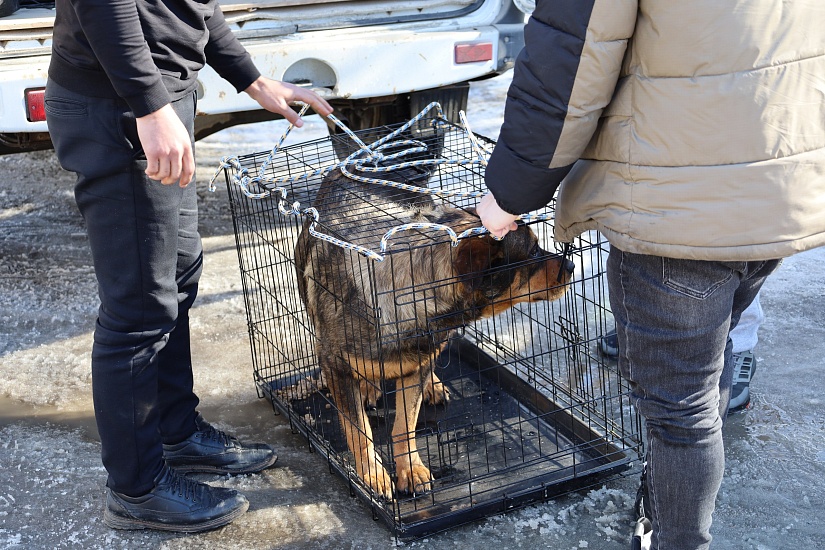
(692, 135)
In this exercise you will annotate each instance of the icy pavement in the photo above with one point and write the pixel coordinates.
(52, 483)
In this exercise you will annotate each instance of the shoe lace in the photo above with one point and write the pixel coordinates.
(184, 487)
(211, 433)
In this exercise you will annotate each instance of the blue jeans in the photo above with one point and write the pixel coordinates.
(147, 257)
(673, 318)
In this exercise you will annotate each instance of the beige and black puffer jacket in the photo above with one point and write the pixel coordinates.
(680, 129)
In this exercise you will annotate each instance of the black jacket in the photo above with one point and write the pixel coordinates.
(147, 52)
(524, 170)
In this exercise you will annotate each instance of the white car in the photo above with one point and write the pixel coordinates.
(376, 61)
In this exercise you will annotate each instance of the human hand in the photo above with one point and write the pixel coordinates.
(276, 96)
(167, 147)
(497, 221)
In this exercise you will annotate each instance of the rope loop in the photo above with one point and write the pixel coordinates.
(419, 225)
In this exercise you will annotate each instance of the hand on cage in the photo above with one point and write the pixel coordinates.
(497, 221)
(276, 97)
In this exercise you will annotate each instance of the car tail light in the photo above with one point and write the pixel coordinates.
(473, 53)
(35, 104)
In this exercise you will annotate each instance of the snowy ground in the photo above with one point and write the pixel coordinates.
(52, 483)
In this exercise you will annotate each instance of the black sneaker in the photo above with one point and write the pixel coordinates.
(744, 365)
(175, 504)
(212, 451)
(609, 344)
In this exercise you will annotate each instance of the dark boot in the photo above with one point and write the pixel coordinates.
(212, 451)
(175, 504)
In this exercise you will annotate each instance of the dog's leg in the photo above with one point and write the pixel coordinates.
(349, 401)
(371, 394)
(413, 475)
(435, 392)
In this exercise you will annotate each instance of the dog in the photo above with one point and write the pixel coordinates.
(444, 288)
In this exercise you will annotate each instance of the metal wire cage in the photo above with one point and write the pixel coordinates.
(534, 410)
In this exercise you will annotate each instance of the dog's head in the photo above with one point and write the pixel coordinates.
(500, 274)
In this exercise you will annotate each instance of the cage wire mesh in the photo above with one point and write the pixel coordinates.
(522, 406)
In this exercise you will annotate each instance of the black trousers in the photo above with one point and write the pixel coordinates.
(148, 258)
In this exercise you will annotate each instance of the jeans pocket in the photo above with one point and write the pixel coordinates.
(696, 278)
(65, 108)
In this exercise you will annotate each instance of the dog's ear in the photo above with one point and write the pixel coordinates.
(476, 255)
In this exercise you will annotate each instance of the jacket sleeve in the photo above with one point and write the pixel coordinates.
(563, 79)
(226, 55)
(114, 32)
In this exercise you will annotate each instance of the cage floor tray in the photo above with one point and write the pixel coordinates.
(498, 444)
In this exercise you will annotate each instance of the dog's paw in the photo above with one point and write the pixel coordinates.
(380, 482)
(414, 480)
(436, 393)
(371, 394)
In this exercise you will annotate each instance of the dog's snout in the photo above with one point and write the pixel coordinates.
(565, 267)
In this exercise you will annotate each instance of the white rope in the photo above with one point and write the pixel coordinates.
(365, 159)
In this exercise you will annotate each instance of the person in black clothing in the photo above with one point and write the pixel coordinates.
(120, 106)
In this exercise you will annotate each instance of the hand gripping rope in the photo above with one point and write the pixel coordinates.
(364, 159)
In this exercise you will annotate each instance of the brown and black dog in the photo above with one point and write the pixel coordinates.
(422, 292)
